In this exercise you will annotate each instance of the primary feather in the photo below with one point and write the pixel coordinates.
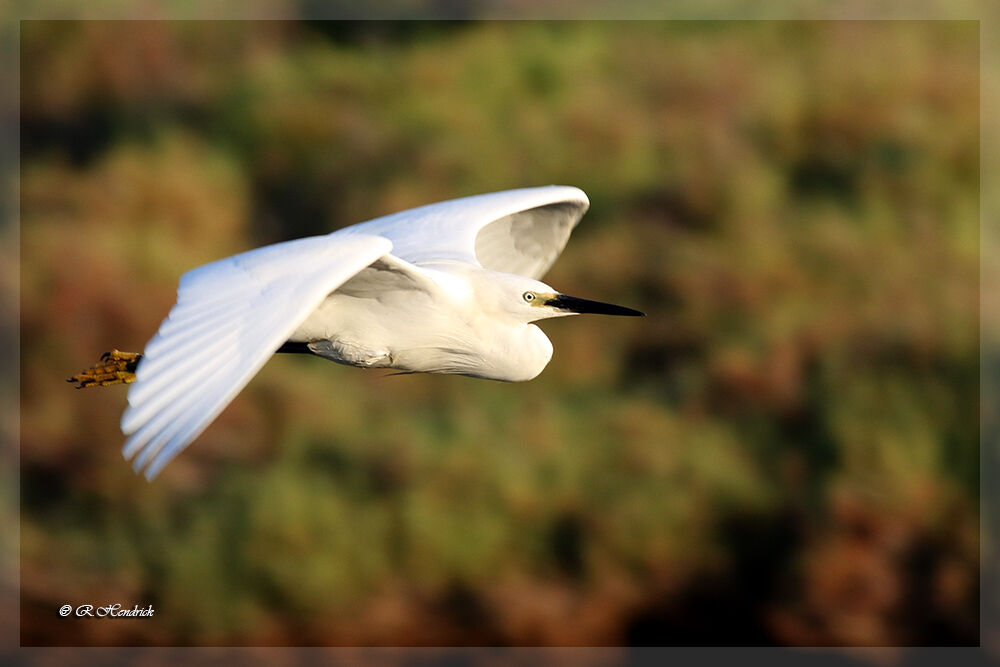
(515, 231)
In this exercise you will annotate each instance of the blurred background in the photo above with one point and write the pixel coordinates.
(784, 452)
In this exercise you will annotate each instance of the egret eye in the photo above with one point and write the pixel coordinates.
(529, 296)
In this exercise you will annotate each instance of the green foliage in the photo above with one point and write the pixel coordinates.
(789, 441)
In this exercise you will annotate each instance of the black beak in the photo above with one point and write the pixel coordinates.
(575, 305)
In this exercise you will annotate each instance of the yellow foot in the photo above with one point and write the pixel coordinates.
(116, 367)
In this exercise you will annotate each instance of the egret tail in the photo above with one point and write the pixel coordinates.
(115, 367)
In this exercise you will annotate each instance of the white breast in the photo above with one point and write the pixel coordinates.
(424, 336)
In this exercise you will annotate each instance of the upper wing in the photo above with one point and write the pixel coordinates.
(516, 231)
(230, 317)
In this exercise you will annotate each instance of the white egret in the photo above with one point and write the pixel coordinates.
(450, 287)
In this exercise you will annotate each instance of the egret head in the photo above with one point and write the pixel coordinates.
(531, 300)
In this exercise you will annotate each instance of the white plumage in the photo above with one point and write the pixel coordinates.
(445, 288)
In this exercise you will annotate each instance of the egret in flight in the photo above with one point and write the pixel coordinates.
(450, 287)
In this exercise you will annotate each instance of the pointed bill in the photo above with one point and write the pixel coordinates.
(574, 304)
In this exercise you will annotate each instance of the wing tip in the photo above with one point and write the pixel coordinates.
(568, 193)
(562, 195)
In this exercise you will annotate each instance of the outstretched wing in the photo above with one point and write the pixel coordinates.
(230, 317)
(515, 231)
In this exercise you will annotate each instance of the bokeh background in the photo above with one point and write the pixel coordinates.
(784, 452)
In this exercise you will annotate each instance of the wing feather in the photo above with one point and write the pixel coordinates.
(515, 231)
(230, 317)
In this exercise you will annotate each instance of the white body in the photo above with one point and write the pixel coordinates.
(446, 288)
(426, 331)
